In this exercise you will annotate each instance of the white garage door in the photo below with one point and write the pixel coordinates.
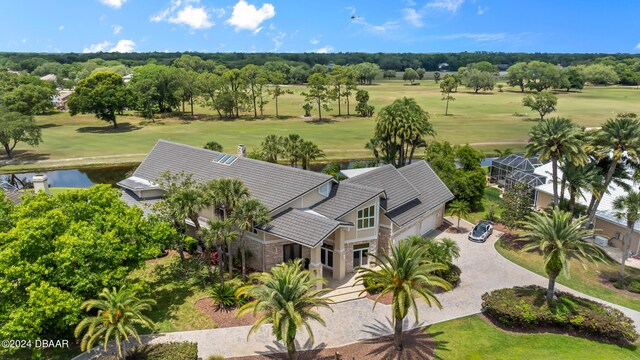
(413, 230)
(428, 224)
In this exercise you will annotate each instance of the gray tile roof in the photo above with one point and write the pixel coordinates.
(302, 227)
(13, 195)
(433, 193)
(273, 184)
(132, 200)
(399, 191)
(345, 197)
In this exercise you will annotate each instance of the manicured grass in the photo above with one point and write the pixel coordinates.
(476, 118)
(61, 190)
(491, 198)
(588, 281)
(473, 338)
(176, 295)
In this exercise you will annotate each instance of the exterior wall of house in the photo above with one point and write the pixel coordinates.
(543, 200)
(384, 240)
(352, 217)
(373, 249)
(609, 230)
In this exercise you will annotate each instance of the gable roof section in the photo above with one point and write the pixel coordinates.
(399, 191)
(302, 227)
(433, 193)
(273, 184)
(345, 197)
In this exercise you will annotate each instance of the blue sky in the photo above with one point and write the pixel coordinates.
(320, 26)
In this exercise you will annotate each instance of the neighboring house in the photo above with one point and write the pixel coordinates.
(11, 192)
(608, 226)
(335, 225)
(49, 77)
(443, 66)
(515, 168)
(127, 78)
(60, 100)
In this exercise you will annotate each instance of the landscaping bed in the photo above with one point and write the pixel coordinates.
(526, 307)
(171, 350)
(224, 317)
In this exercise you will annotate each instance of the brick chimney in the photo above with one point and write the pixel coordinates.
(242, 151)
(41, 183)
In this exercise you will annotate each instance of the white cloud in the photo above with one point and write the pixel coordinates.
(412, 17)
(447, 5)
(482, 10)
(124, 46)
(246, 16)
(638, 46)
(377, 29)
(194, 17)
(278, 40)
(24, 41)
(314, 41)
(482, 37)
(61, 27)
(116, 4)
(98, 47)
(117, 29)
(324, 49)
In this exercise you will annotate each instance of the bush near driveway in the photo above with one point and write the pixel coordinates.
(526, 307)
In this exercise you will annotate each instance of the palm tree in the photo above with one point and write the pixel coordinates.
(228, 193)
(627, 207)
(272, 148)
(618, 139)
(556, 139)
(560, 240)
(459, 209)
(406, 274)
(221, 234)
(503, 153)
(309, 152)
(119, 312)
(580, 178)
(249, 214)
(287, 298)
(291, 145)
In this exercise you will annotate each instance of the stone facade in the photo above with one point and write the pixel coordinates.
(348, 248)
(384, 240)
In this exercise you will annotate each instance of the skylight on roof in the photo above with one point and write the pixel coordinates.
(224, 159)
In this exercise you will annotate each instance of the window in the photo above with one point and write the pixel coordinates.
(366, 217)
(291, 252)
(325, 189)
(616, 235)
(360, 255)
(326, 255)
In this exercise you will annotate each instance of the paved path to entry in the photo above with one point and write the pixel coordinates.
(483, 270)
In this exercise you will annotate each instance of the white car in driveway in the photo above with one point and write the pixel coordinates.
(481, 231)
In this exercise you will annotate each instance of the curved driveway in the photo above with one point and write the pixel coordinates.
(483, 270)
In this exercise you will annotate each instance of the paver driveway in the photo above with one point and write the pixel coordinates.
(483, 269)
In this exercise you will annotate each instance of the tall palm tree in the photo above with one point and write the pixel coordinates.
(618, 139)
(249, 214)
(560, 240)
(580, 178)
(287, 298)
(406, 274)
(210, 236)
(459, 209)
(229, 193)
(309, 152)
(221, 234)
(556, 139)
(291, 145)
(627, 207)
(119, 313)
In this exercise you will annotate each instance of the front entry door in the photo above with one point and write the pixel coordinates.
(326, 256)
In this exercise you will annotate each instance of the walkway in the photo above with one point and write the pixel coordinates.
(483, 270)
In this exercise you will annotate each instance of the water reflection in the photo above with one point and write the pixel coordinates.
(76, 178)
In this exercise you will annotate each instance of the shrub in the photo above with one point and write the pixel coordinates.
(452, 276)
(634, 287)
(372, 287)
(172, 350)
(526, 307)
(224, 295)
(215, 357)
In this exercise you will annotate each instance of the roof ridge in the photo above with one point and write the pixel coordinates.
(242, 158)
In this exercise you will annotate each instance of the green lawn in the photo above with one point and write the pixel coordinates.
(176, 295)
(476, 118)
(61, 190)
(473, 338)
(588, 281)
(491, 198)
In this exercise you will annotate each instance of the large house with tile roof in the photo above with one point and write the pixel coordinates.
(334, 224)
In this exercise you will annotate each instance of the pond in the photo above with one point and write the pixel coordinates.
(74, 178)
(82, 178)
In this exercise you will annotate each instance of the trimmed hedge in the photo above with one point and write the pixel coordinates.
(171, 350)
(630, 283)
(527, 307)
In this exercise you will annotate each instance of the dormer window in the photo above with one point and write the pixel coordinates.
(366, 217)
(325, 189)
